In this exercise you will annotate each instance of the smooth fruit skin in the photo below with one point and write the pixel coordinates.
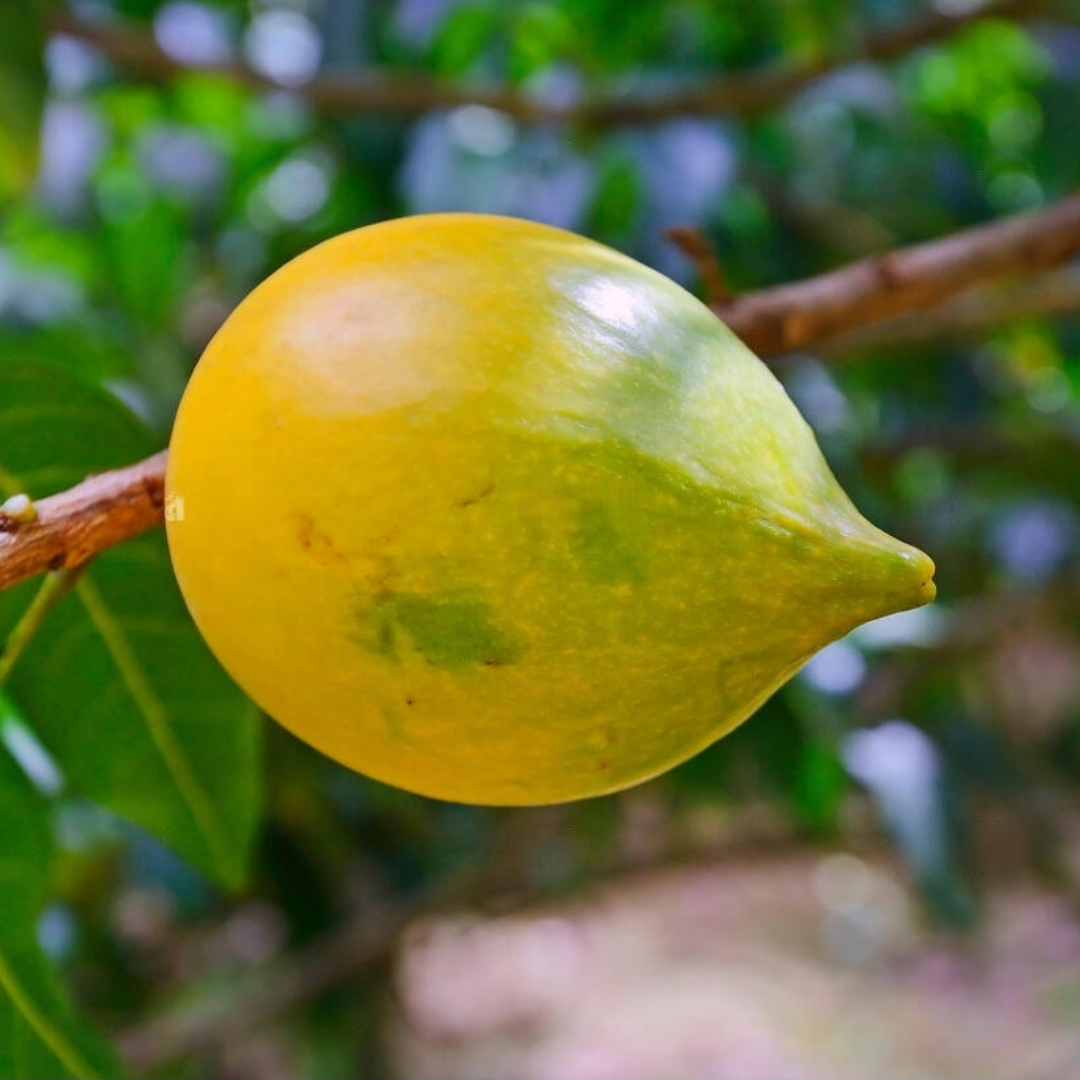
(493, 513)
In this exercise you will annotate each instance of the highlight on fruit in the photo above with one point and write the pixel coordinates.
(488, 511)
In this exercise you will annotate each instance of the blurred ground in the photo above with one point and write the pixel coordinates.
(789, 967)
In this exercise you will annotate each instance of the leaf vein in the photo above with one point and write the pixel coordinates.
(155, 716)
(61, 1049)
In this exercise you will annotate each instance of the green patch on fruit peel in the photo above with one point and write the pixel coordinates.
(606, 553)
(447, 631)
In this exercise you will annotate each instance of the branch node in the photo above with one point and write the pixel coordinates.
(17, 511)
(887, 270)
(154, 489)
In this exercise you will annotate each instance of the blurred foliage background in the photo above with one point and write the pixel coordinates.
(187, 887)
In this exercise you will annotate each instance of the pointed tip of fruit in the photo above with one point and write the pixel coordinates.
(905, 581)
(922, 571)
(898, 577)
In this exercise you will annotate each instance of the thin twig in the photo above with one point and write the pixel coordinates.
(113, 507)
(700, 251)
(413, 94)
(51, 591)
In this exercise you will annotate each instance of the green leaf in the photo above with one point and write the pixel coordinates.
(84, 347)
(38, 242)
(819, 787)
(117, 683)
(617, 199)
(542, 35)
(22, 91)
(463, 37)
(144, 246)
(40, 1035)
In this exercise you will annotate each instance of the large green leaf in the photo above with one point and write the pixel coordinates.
(40, 1035)
(117, 682)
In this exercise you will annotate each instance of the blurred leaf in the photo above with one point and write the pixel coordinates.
(215, 104)
(542, 34)
(730, 33)
(80, 347)
(118, 683)
(617, 199)
(22, 91)
(976, 75)
(615, 36)
(39, 242)
(145, 249)
(463, 37)
(40, 1035)
(819, 787)
(130, 109)
(813, 29)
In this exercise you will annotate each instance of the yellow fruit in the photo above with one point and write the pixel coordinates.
(491, 512)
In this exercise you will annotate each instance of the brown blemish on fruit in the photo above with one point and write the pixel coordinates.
(482, 494)
(313, 540)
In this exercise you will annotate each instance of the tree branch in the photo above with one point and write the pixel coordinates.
(412, 94)
(794, 316)
(107, 509)
(971, 313)
(75, 525)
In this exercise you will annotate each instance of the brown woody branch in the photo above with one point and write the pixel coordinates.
(75, 525)
(807, 313)
(113, 507)
(969, 314)
(412, 94)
